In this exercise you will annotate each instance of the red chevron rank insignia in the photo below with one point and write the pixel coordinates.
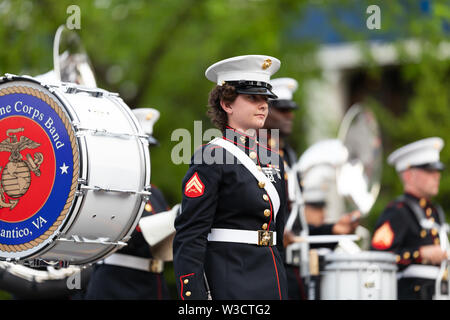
(383, 237)
(194, 187)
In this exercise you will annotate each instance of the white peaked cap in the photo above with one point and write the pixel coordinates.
(316, 183)
(284, 88)
(249, 68)
(418, 153)
(318, 165)
(147, 118)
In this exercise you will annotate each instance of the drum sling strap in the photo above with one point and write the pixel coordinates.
(420, 215)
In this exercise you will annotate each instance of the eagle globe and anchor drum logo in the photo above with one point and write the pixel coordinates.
(38, 169)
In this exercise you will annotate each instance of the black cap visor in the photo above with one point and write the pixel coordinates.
(253, 88)
(434, 166)
(283, 104)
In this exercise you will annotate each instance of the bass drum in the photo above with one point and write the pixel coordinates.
(75, 172)
(360, 276)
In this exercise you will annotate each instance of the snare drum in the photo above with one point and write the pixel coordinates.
(362, 276)
(74, 170)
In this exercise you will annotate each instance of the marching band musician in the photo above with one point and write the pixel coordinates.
(229, 232)
(134, 272)
(409, 225)
(281, 116)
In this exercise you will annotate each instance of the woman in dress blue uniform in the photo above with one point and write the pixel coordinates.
(229, 233)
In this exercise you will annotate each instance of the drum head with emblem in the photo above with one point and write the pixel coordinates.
(39, 168)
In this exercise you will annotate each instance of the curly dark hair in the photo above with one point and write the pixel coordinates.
(215, 112)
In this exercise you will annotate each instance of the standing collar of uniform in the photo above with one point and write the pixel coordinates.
(240, 138)
(422, 201)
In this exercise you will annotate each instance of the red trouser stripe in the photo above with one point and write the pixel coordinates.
(276, 272)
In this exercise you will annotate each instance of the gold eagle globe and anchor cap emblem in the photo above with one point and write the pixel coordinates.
(16, 175)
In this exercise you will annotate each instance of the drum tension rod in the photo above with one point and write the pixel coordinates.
(92, 92)
(83, 130)
(83, 240)
(101, 189)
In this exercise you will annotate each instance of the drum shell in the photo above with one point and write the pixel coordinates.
(124, 165)
(361, 276)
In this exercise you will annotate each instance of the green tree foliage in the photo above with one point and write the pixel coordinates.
(154, 53)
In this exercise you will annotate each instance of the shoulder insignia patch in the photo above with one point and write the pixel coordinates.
(194, 187)
(383, 237)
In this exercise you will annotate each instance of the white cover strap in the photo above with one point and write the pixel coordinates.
(236, 236)
(157, 227)
(251, 166)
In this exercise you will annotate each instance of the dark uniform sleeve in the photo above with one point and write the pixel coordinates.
(391, 234)
(323, 229)
(200, 189)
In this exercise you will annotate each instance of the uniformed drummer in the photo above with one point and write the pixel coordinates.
(229, 232)
(133, 272)
(409, 226)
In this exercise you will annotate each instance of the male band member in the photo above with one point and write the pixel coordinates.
(409, 225)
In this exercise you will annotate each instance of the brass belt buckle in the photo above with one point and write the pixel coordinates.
(265, 238)
(156, 266)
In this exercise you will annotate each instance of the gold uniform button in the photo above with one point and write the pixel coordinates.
(252, 155)
(286, 176)
(261, 184)
(397, 258)
(423, 202)
(428, 212)
(423, 233)
(406, 255)
(188, 293)
(264, 226)
(267, 212)
(265, 197)
(434, 232)
(416, 288)
(416, 254)
(186, 281)
(148, 207)
(436, 241)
